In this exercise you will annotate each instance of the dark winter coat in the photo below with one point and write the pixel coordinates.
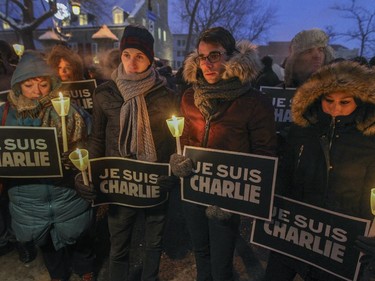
(107, 101)
(330, 162)
(267, 78)
(245, 124)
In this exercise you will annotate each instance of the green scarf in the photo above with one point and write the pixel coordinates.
(207, 96)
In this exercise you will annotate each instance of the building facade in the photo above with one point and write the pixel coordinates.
(77, 31)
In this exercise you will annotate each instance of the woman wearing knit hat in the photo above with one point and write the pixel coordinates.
(129, 114)
(48, 212)
(309, 51)
(221, 111)
(330, 157)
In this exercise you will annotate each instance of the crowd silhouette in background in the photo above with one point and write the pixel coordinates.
(326, 155)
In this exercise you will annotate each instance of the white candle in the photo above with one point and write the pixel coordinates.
(62, 108)
(175, 125)
(82, 165)
(372, 204)
(80, 159)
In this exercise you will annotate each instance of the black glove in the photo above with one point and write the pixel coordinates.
(365, 244)
(68, 165)
(181, 166)
(87, 192)
(167, 183)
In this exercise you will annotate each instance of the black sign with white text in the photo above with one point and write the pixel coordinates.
(127, 182)
(29, 152)
(237, 182)
(281, 101)
(80, 92)
(319, 237)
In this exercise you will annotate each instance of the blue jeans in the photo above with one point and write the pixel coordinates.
(213, 243)
(121, 221)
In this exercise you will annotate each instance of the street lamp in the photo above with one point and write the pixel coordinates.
(76, 7)
(19, 49)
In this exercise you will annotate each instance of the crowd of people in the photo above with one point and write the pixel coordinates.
(326, 155)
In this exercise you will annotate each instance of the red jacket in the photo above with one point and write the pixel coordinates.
(245, 124)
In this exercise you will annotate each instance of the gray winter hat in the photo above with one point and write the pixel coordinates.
(302, 41)
(307, 39)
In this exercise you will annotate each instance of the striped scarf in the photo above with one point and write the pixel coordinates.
(135, 137)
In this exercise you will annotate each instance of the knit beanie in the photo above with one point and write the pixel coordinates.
(138, 37)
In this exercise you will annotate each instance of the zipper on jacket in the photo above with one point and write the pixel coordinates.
(299, 155)
(206, 132)
(327, 153)
(332, 129)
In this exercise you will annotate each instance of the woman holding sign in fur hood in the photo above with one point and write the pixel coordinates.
(222, 111)
(48, 212)
(330, 159)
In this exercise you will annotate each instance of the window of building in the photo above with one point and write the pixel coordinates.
(157, 10)
(65, 22)
(73, 46)
(83, 19)
(94, 49)
(6, 25)
(159, 33)
(144, 22)
(164, 35)
(118, 16)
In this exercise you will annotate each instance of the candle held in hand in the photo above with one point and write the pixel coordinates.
(176, 127)
(80, 159)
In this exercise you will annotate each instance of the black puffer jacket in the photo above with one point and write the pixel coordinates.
(330, 162)
(107, 101)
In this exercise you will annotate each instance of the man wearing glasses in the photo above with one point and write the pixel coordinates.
(222, 111)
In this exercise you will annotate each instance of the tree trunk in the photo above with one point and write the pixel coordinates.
(27, 39)
(192, 19)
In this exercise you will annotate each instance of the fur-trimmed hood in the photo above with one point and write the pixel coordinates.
(346, 76)
(244, 64)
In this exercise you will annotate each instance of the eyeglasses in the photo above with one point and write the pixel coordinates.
(212, 57)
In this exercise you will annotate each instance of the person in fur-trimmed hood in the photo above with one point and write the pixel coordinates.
(330, 159)
(222, 111)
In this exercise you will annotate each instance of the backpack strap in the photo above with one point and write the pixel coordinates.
(5, 113)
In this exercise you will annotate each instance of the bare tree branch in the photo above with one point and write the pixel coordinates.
(28, 21)
(364, 30)
(245, 19)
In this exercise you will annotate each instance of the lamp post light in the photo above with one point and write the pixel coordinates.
(19, 49)
(76, 7)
